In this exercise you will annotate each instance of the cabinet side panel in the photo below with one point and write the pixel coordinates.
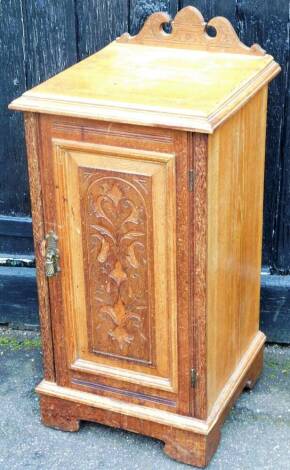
(235, 206)
(33, 150)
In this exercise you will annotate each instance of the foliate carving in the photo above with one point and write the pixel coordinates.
(189, 32)
(116, 225)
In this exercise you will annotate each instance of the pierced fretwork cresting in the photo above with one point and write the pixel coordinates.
(117, 240)
(189, 31)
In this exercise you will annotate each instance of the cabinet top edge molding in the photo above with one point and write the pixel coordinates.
(184, 80)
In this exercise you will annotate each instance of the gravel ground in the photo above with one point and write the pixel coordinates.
(255, 436)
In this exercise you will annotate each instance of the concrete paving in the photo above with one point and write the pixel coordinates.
(255, 436)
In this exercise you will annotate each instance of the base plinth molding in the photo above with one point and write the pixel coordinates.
(187, 439)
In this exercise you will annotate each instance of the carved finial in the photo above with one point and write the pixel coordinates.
(189, 32)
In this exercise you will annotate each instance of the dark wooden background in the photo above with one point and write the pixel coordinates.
(39, 38)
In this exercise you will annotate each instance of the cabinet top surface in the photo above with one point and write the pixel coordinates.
(184, 80)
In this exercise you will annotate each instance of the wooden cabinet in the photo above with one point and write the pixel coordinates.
(146, 166)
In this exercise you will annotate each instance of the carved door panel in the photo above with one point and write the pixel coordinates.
(116, 222)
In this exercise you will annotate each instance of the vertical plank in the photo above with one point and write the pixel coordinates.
(99, 23)
(227, 9)
(50, 38)
(268, 24)
(211, 8)
(204, 6)
(141, 9)
(14, 199)
(281, 243)
(280, 259)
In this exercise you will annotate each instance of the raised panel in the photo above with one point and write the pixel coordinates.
(117, 242)
(116, 219)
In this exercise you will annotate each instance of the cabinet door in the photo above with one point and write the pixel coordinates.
(115, 299)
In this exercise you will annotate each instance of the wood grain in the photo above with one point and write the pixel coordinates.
(98, 23)
(49, 25)
(81, 157)
(49, 39)
(185, 446)
(188, 32)
(199, 144)
(14, 192)
(140, 10)
(178, 71)
(68, 158)
(33, 155)
(235, 186)
(117, 241)
(184, 254)
(84, 367)
(159, 235)
(186, 439)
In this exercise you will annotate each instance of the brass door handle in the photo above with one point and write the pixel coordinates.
(51, 255)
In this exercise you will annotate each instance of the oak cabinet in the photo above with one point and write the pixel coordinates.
(146, 166)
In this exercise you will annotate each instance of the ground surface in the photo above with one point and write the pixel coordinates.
(255, 436)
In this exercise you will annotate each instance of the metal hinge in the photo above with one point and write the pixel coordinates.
(193, 377)
(190, 180)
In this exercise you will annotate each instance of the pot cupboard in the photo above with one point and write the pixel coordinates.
(146, 165)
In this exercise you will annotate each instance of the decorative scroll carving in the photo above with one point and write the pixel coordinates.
(189, 32)
(116, 227)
